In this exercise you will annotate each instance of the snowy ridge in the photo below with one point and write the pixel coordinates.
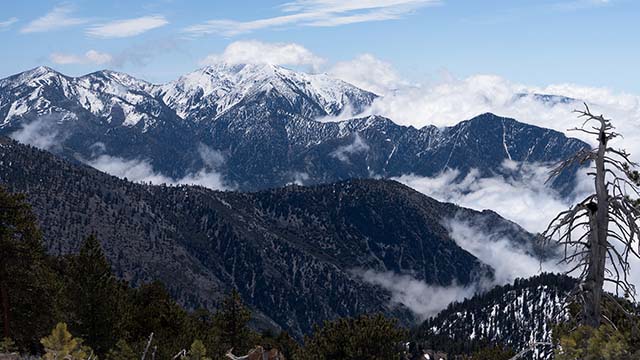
(222, 86)
(43, 91)
(204, 94)
(512, 316)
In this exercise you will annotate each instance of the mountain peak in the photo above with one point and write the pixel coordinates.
(216, 88)
(40, 72)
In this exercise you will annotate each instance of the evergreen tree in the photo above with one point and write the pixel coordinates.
(362, 338)
(122, 351)
(202, 325)
(96, 298)
(587, 343)
(283, 342)
(27, 284)
(62, 345)
(154, 311)
(232, 321)
(197, 351)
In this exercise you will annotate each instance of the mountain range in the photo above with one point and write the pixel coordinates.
(256, 127)
(295, 253)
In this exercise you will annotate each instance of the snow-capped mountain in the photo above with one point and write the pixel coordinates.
(208, 92)
(111, 97)
(262, 121)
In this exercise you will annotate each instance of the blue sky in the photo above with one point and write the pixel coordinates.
(588, 42)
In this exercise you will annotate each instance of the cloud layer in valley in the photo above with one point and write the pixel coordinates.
(343, 152)
(44, 134)
(141, 170)
(41, 133)
(422, 299)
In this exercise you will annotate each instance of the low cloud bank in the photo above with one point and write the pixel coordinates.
(41, 133)
(521, 196)
(140, 170)
(343, 153)
(422, 299)
(509, 259)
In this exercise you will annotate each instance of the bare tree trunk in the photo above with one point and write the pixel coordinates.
(599, 225)
(4, 296)
(146, 348)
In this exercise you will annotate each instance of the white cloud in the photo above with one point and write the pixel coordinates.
(523, 198)
(90, 57)
(127, 27)
(256, 52)
(141, 170)
(368, 73)
(509, 259)
(59, 17)
(357, 146)
(316, 13)
(422, 299)
(451, 100)
(7, 23)
(40, 133)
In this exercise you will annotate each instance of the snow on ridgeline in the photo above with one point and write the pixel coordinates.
(202, 94)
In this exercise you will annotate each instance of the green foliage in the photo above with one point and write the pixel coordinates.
(362, 338)
(7, 345)
(116, 320)
(232, 320)
(197, 351)
(283, 342)
(27, 283)
(62, 345)
(587, 343)
(122, 351)
(618, 339)
(96, 302)
(155, 311)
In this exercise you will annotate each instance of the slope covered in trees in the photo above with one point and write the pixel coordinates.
(511, 315)
(290, 252)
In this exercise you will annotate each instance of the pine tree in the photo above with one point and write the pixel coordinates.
(122, 351)
(96, 298)
(27, 283)
(363, 338)
(232, 321)
(62, 345)
(587, 343)
(198, 351)
(154, 311)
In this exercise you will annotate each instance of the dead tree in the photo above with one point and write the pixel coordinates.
(600, 233)
(146, 348)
